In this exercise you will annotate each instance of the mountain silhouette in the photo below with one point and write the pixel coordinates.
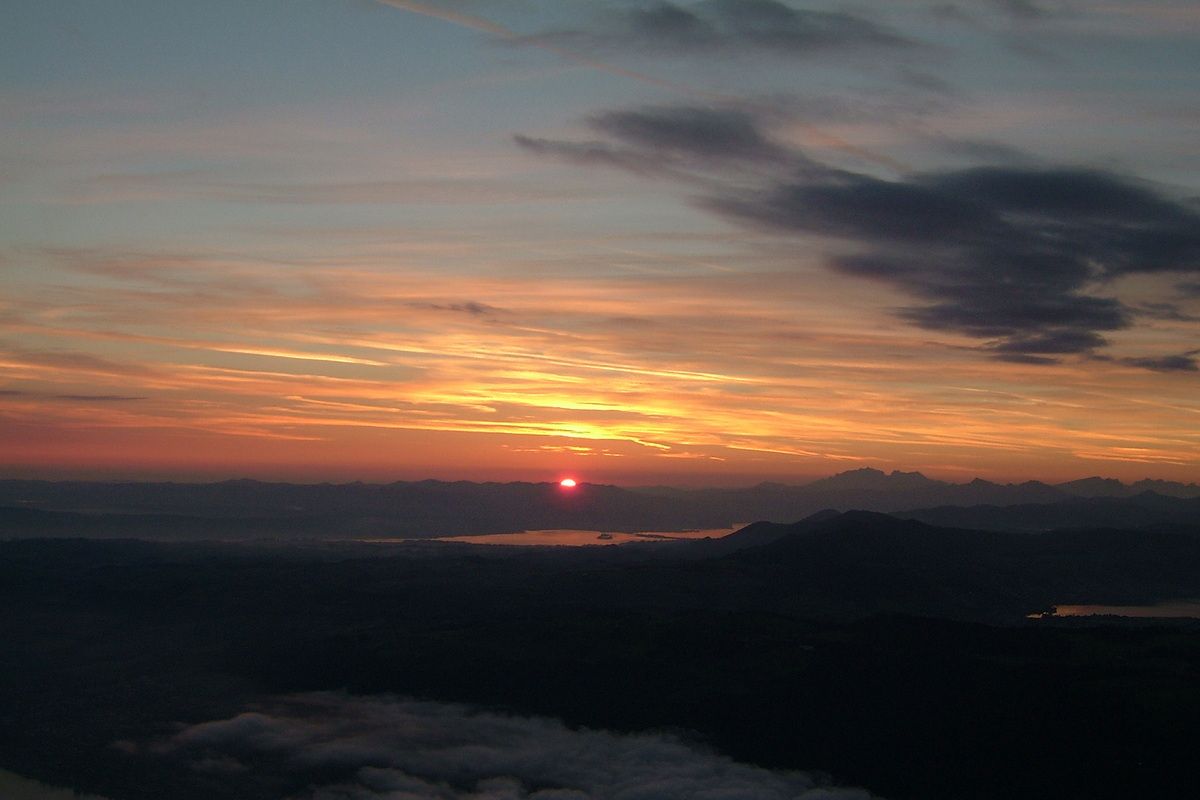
(424, 509)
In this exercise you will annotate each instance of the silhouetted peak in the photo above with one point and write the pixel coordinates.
(872, 518)
(870, 479)
(854, 529)
(1095, 486)
(823, 515)
(1169, 488)
(754, 535)
(855, 474)
(1151, 495)
(855, 520)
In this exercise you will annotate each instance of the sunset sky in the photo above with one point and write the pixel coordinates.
(633, 242)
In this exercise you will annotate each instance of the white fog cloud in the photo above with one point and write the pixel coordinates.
(386, 748)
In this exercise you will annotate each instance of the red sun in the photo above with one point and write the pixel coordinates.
(567, 483)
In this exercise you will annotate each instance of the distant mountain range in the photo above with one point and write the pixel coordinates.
(240, 509)
(873, 480)
(1147, 509)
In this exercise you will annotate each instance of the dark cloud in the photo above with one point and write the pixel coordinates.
(1022, 358)
(82, 398)
(70, 360)
(684, 131)
(124, 187)
(590, 154)
(1167, 311)
(1022, 9)
(663, 140)
(1004, 253)
(875, 107)
(364, 748)
(926, 81)
(728, 26)
(471, 307)
(1016, 255)
(983, 151)
(1055, 340)
(1177, 363)
(949, 11)
(98, 398)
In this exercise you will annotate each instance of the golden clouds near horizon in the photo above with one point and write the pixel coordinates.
(503, 376)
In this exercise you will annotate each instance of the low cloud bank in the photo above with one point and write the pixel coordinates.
(386, 748)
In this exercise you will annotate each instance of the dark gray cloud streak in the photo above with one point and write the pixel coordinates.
(371, 748)
(1013, 255)
(711, 134)
(726, 26)
(1021, 10)
(592, 153)
(1024, 9)
(673, 141)
(470, 307)
(1185, 362)
(1006, 254)
(80, 398)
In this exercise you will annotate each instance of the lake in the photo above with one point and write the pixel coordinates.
(581, 538)
(1174, 608)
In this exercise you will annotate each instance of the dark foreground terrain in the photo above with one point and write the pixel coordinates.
(885, 653)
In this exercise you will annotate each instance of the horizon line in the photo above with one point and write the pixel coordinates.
(583, 482)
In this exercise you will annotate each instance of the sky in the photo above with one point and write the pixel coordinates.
(635, 242)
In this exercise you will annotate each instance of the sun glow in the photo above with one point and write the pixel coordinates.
(567, 483)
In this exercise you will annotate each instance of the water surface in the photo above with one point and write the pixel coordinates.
(1177, 609)
(580, 538)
